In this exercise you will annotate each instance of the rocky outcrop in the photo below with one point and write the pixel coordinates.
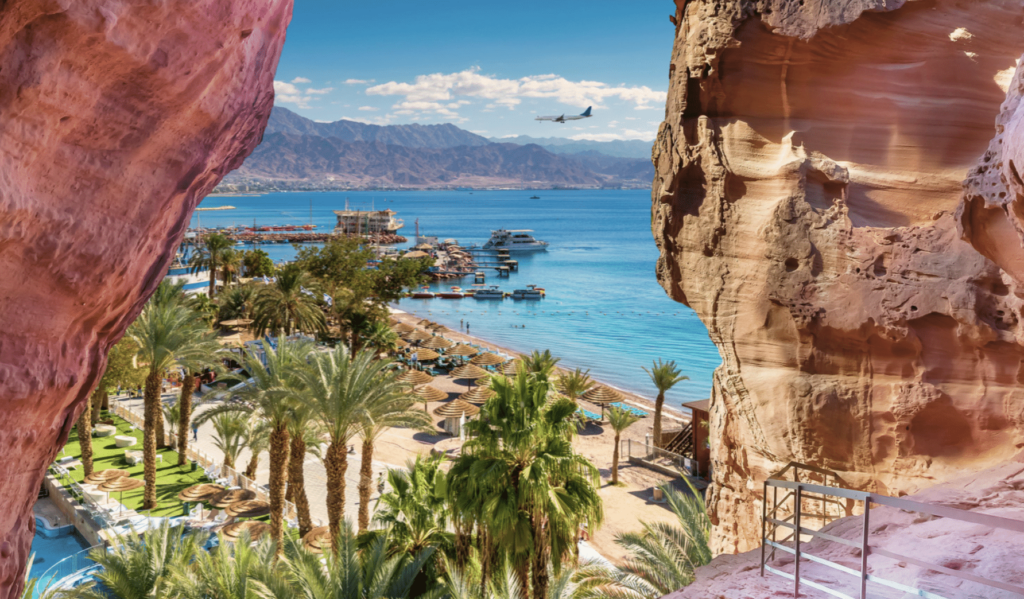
(810, 172)
(973, 549)
(116, 118)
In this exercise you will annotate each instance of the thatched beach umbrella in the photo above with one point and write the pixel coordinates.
(232, 532)
(437, 343)
(510, 368)
(602, 396)
(462, 350)
(201, 492)
(250, 508)
(424, 322)
(101, 476)
(469, 372)
(121, 484)
(488, 359)
(456, 409)
(237, 322)
(479, 395)
(403, 328)
(437, 327)
(418, 336)
(426, 393)
(424, 355)
(315, 540)
(415, 377)
(226, 498)
(401, 343)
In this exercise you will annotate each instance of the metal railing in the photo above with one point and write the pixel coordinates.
(804, 492)
(647, 452)
(66, 567)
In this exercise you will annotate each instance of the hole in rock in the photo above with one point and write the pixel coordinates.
(792, 264)
(913, 308)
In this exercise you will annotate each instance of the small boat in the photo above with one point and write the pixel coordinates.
(423, 293)
(455, 293)
(534, 197)
(530, 293)
(489, 294)
(514, 240)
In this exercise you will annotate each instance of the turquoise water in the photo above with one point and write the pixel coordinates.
(604, 308)
(50, 550)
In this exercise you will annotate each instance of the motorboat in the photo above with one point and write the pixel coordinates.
(530, 293)
(423, 293)
(493, 293)
(455, 293)
(514, 240)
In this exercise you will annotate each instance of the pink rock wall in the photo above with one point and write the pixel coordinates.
(116, 118)
(807, 204)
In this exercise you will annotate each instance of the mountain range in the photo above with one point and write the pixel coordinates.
(298, 153)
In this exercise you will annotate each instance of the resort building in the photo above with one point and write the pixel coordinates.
(367, 222)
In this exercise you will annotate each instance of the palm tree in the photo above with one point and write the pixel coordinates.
(204, 306)
(208, 257)
(172, 415)
(166, 335)
(620, 420)
(303, 432)
(271, 394)
(338, 388)
(541, 362)
(85, 435)
(139, 567)
(237, 302)
(413, 512)
(230, 265)
(239, 570)
(230, 433)
(381, 337)
(388, 407)
(289, 303)
(664, 375)
(257, 439)
(575, 383)
(528, 491)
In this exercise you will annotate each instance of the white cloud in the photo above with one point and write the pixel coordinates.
(287, 93)
(509, 93)
(613, 124)
(369, 108)
(625, 134)
(359, 81)
(301, 80)
(319, 92)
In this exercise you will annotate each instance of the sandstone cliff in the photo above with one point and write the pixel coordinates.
(810, 173)
(116, 118)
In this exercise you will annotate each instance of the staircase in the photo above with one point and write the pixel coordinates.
(682, 443)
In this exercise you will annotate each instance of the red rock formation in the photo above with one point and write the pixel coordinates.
(974, 549)
(116, 118)
(808, 171)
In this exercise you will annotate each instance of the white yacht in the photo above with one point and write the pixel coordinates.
(514, 240)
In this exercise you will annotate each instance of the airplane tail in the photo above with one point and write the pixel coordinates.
(587, 112)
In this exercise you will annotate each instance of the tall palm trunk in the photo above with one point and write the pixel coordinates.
(250, 469)
(85, 437)
(484, 546)
(615, 460)
(160, 428)
(213, 275)
(96, 404)
(658, 404)
(365, 482)
(151, 407)
(297, 483)
(185, 418)
(105, 399)
(337, 464)
(463, 537)
(278, 460)
(541, 557)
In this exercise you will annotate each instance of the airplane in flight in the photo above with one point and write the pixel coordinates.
(561, 119)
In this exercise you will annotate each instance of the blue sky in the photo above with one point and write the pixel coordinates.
(489, 67)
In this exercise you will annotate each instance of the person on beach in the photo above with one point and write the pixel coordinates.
(460, 323)
(195, 432)
(467, 328)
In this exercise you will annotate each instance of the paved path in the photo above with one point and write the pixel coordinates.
(316, 475)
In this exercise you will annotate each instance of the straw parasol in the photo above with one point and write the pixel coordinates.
(415, 377)
(402, 328)
(315, 540)
(462, 350)
(401, 343)
(101, 476)
(430, 394)
(418, 336)
(469, 372)
(415, 254)
(437, 327)
(121, 484)
(423, 354)
(201, 492)
(488, 359)
(251, 508)
(437, 343)
(509, 369)
(602, 396)
(457, 408)
(478, 395)
(226, 498)
(424, 322)
(232, 532)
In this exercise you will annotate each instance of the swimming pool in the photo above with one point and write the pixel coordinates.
(48, 550)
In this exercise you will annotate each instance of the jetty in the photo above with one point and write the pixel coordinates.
(304, 237)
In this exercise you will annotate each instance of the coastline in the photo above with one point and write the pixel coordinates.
(674, 415)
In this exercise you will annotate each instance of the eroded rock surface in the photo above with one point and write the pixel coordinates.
(810, 172)
(116, 118)
(991, 553)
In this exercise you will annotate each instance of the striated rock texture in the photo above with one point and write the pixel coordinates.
(991, 553)
(809, 177)
(116, 118)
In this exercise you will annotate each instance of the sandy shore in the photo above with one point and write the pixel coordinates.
(625, 506)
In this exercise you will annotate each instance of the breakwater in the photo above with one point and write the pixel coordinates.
(306, 237)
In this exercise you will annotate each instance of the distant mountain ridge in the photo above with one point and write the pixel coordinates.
(446, 135)
(621, 148)
(297, 153)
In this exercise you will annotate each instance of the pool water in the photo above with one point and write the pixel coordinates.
(50, 550)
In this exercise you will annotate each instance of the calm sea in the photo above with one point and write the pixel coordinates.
(604, 308)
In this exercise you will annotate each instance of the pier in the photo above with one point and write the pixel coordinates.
(307, 237)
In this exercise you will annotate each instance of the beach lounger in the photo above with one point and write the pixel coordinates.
(588, 415)
(630, 409)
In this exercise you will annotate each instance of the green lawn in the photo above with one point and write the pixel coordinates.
(170, 479)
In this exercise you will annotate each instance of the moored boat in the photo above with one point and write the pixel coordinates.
(493, 293)
(514, 240)
(530, 293)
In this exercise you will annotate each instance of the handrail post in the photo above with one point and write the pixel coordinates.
(796, 564)
(864, 552)
(764, 524)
